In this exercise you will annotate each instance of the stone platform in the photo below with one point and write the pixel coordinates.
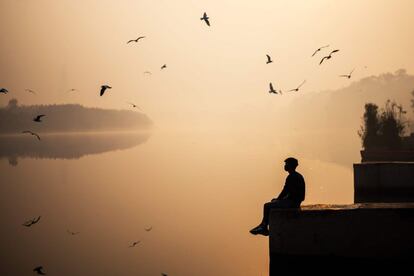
(369, 236)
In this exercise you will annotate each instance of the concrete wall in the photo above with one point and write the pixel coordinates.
(384, 182)
(355, 233)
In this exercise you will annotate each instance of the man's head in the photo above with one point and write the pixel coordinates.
(291, 164)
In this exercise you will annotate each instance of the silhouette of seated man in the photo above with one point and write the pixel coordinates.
(292, 195)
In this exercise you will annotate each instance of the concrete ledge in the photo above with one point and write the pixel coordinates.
(343, 234)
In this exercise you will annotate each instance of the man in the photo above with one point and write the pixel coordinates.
(292, 195)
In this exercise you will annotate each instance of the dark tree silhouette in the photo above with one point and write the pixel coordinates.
(369, 131)
(392, 126)
(69, 118)
(412, 100)
(383, 130)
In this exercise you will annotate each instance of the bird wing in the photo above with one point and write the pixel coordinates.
(36, 220)
(207, 21)
(334, 51)
(301, 84)
(103, 88)
(322, 60)
(129, 41)
(41, 115)
(345, 76)
(317, 50)
(38, 137)
(352, 71)
(268, 58)
(271, 86)
(141, 37)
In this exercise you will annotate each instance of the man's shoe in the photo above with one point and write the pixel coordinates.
(260, 230)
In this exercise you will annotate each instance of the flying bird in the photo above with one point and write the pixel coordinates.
(328, 56)
(31, 222)
(134, 243)
(136, 40)
(39, 270)
(164, 66)
(297, 88)
(30, 91)
(272, 90)
(206, 19)
(4, 91)
(72, 90)
(38, 118)
(269, 59)
(147, 72)
(32, 133)
(72, 233)
(317, 50)
(349, 75)
(148, 229)
(135, 106)
(103, 88)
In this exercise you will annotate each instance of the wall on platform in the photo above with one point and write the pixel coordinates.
(384, 182)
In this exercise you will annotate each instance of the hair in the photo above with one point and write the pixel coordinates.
(292, 162)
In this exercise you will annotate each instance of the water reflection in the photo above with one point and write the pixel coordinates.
(66, 146)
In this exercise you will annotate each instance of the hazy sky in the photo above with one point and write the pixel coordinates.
(213, 72)
(215, 88)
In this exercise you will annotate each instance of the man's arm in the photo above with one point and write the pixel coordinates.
(284, 193)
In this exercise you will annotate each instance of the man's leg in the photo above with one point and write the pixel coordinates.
(262, 228)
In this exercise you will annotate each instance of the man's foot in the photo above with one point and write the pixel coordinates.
(260, 230)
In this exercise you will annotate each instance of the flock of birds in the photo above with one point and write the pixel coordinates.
(40, 270)
(104, 88)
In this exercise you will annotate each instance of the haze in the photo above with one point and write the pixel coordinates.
(216, 151)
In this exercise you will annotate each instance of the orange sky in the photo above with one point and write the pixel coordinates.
(53, 46)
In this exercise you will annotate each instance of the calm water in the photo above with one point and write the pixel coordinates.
(200, 193)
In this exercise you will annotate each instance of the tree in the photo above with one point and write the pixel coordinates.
(369, 131)
(412, 100)
(12, 103)
(392, 126)
(383, 130)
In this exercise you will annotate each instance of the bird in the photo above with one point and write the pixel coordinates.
(272, 90)
(206, 19)
(135, 106)
(103, 88)
(269, 59)
(72, 233)
(4, 91)
(328, 56)
(349, 75)
(164, 66)
(164, 274)
(31, 222)
(72, 90)
(297, 88)
(134, 243)
(148, 229)
(39, 270)
(38, 118)
(32, 133)
(30, 91)
(320, 48)
(147, 72)
(136, 40)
